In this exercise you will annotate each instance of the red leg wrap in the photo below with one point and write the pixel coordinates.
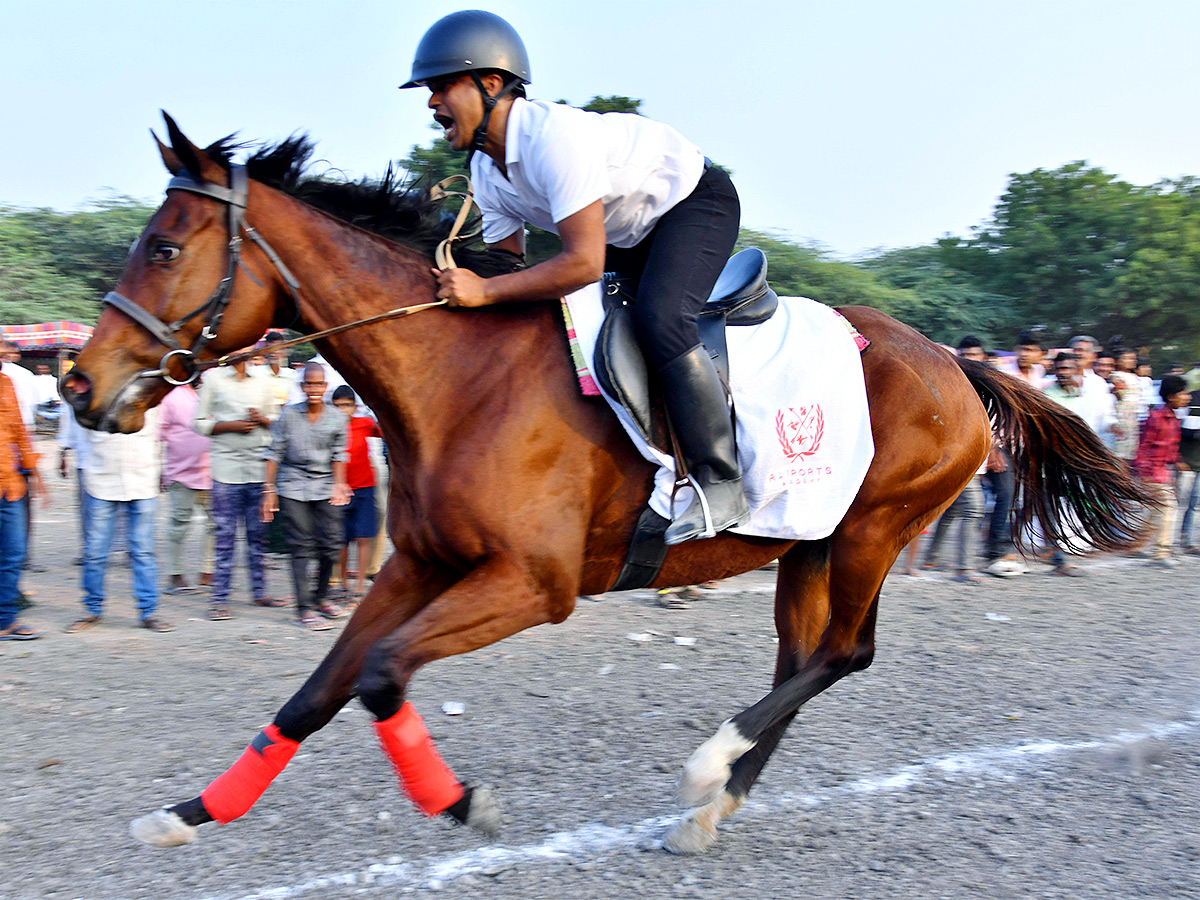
(426, 779)
(238, 789)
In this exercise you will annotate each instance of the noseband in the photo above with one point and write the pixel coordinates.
(213, 308)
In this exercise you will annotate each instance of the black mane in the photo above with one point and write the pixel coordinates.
(390, 207)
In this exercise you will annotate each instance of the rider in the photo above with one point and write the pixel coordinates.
(625, 194)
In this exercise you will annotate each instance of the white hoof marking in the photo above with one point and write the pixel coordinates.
(162, 828)
(707, 772)
(697, 831)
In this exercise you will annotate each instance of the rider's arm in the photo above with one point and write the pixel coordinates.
(580, 263)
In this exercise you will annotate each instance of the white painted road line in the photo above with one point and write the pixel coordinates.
(592, 839)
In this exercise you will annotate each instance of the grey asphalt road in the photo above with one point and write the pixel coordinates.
(1032, 737)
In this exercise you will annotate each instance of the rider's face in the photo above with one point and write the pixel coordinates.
(457, 107)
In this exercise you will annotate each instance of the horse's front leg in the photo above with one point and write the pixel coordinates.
(498, 599)
(400, 589)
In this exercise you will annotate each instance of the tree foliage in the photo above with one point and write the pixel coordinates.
(56, 265)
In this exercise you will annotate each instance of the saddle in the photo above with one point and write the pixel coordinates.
(741, 296)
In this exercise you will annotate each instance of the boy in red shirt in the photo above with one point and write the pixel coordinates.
(359, 517)
(1158, 459)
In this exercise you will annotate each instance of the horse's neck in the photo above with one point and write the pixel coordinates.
(416, 373)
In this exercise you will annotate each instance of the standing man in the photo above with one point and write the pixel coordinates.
(236, 410)
(187, 480)
(122, 477)
(306, 476)
(16, 454)
(278, 373)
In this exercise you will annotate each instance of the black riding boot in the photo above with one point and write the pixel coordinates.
(699, 413)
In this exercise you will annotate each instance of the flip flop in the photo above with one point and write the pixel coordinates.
(20, 633)
(312, 622)
(82, 624)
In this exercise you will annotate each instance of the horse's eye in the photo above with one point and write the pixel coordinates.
(162, 252)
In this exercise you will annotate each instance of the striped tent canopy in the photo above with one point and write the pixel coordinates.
(48, 335)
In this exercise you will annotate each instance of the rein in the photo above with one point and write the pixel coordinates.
(214, 307)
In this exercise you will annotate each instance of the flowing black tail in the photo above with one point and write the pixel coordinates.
(1082, 496)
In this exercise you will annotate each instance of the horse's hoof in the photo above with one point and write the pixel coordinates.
(162, 829)
(484, 813)
(708, 770)
(697, 831)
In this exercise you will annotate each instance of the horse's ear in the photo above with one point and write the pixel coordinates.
(190, 157)
(169, 157)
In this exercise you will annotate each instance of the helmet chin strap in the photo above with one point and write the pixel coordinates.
(489, 103)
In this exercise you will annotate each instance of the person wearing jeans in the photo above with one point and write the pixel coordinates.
(236, 408)
(14, 502)
(122, 478)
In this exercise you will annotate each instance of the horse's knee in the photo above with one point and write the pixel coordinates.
(377, 686)
(301, 716)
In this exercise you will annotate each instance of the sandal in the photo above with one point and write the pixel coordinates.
(219, 612)
(271, 602)
(81, 624)
(331, 611)
(312, 622)
(1069, 570)
(153, 623)
(19, 633)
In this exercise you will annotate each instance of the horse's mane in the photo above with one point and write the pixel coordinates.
(391, 207)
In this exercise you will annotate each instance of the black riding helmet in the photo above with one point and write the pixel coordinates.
(472, 41)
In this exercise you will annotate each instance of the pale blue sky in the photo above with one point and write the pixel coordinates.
(855, 124)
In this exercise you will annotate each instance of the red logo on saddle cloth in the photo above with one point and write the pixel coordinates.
(800, 430)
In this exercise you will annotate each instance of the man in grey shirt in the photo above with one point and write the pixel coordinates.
(306, 477)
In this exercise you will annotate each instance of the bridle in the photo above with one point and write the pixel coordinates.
(213, 309)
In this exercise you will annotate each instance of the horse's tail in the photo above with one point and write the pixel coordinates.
(1082, 496)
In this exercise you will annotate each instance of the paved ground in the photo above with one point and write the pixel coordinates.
(1030, 737)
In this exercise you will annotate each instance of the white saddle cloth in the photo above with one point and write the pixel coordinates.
(803, 425)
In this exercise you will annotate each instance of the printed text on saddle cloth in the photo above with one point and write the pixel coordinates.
(800, 430)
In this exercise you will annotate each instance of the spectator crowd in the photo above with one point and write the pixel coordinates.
(225, 452)
(1152, 426)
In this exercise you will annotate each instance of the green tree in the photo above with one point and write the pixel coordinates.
(796, 270)
(941, 302)
(56, 265)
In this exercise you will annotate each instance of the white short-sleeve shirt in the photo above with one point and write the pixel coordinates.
(561, 160)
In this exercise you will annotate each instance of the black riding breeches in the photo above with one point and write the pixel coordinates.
(672, 272)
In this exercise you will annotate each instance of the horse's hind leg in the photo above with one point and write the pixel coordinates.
(719, 774)
(801, 613)
(398, 592)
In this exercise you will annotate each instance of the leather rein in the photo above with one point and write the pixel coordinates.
(213, 309)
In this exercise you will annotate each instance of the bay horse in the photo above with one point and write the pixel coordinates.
(511, 494)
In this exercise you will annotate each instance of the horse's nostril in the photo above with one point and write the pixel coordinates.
(76, 389)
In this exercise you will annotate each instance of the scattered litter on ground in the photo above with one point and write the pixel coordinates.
(685, 641)
(453, 708)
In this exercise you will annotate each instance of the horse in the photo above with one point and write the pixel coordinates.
(511, 494)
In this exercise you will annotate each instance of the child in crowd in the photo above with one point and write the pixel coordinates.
(359, 519)
(1158, 462)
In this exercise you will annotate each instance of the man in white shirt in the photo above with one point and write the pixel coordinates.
(122, 477)
(237, 409)
(625, 194)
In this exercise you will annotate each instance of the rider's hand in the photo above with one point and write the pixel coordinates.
(342, 495)
(461, 287)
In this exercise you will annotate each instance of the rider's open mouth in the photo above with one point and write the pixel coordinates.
(444, 121)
